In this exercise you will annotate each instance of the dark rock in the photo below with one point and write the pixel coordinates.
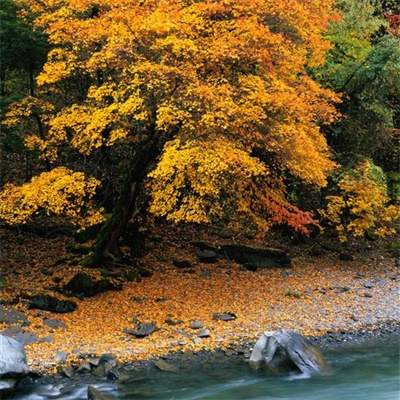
(164, 366)
(224, 316)
(66, 370)
(84, 366)
(108, 359)
(46, 271)
(346, 257)
(160, 300)
(368, 285)
(204, 246)
(13, 316)
(143, 329)
(170, 322)
(94, 394)
(256, 257)
(368, 294)
(182, 263)
(83, 284)
(113, 374)
(250, 267)
(137, 299)
(26, 337)
(54, 323)
(208, 256)
(144, 273)
(50, 303)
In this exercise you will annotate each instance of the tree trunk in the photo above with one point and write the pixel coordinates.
(106, 246)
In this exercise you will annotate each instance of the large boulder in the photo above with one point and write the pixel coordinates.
(51, 303)
(12, 316)
(82, 284)
(13, 365)
(256, 257)
(283, 351)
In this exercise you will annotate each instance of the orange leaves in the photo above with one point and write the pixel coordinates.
(60, 192)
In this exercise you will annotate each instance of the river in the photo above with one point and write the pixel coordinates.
(359, 372)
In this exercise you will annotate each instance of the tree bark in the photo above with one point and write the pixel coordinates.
(106, 246)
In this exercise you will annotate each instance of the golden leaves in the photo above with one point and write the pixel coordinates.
(362, 203)
(233, 73)
(60, 192)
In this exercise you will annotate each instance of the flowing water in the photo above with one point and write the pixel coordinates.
(359, 372)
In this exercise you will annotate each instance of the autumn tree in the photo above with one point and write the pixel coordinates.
(213, 97)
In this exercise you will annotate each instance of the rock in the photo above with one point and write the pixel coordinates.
(94, 394)
(13, 365)
(50, 303)
(205, 274)
(283, 350)
(346, 257)
(26, 337)
(224, 316)
(61, 357)
(256, 257)
(12, 316)
(368, 285)
(196, 324)
(204, 333)
(143, 329)
(207, 256)
(84, 366)
(171, 322)
(181, 263)
(144, 273)
(83, 284)
(108, 359)
(54, 323)
(66, 370)
(164, 366)
(250, 267)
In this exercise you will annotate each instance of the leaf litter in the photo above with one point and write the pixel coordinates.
(318, 295)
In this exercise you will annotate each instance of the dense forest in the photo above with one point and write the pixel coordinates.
(248, 114)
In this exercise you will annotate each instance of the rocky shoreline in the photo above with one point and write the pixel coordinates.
(106, 367)
(238, 352)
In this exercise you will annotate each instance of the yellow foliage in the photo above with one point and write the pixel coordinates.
(223, 77)
(58, 192)
(361, 205)
(208, 181)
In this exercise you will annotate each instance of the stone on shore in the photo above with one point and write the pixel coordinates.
(283, 351)
(13, 365)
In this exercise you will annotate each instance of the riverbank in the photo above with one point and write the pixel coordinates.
(200, 307)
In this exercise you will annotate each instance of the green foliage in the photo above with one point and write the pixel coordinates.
(364, 65)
